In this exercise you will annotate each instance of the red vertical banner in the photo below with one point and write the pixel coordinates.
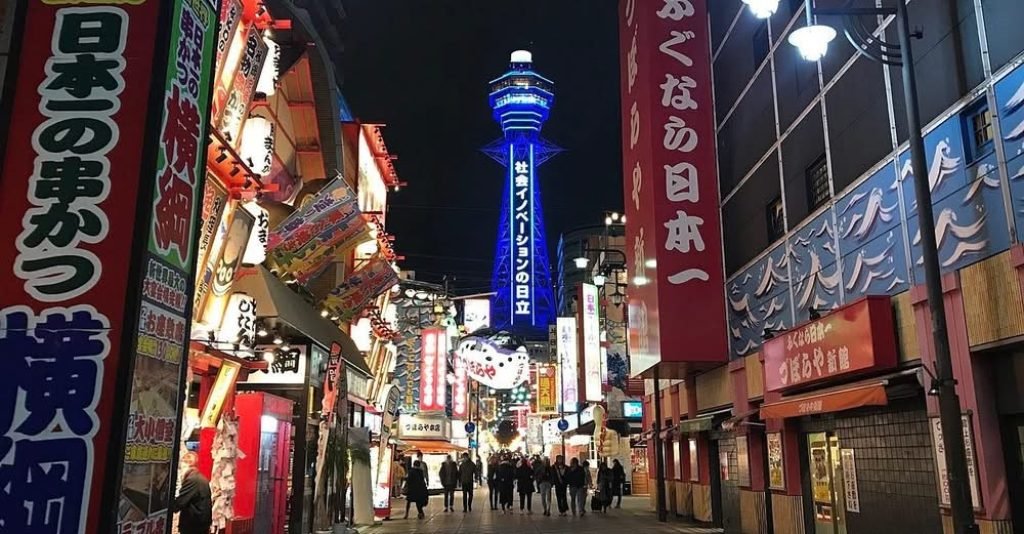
(433, 369)
(671, 186)
(460, 390)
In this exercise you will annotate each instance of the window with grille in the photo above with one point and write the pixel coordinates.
(978, 130)
(817, 184)
(775, 222)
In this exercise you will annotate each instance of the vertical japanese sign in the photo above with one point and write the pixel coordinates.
(521, 219)
(591, 343)
(671, 185)
(163, 322)
(433, 369)
(850, 491)
(776, 468)
(73, 173)
(942, 472)
(460, 390)
(568, 358)
(547, 388)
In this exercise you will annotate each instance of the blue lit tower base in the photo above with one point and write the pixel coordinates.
(524, 302)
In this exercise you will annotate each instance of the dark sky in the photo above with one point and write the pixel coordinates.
(422, 67)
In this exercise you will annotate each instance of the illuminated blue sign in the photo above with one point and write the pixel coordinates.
(632, 410)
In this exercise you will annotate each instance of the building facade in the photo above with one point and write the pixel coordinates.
(821, 421)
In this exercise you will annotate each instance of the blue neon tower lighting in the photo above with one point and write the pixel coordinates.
(524, 302)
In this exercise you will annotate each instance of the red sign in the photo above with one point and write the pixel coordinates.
(332, 378)
(433, 369)
(671, 185)
(460, 390)
(853, 339)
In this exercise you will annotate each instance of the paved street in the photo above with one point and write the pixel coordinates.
(632, 518)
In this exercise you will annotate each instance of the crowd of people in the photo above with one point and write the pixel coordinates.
(511, 473)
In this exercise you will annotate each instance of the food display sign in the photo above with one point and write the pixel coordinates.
(856, 338)
(493, 365)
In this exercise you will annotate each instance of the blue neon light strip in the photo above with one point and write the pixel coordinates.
(533, 230)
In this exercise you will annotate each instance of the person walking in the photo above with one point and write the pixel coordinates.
(479, 471)
(194, 501)
(577, 481)
(416, 489)
(542, 475)
(397, 477)
(506, 481)
(560, 478)
(603, 491)
(449, 475)
(492, 481)
(618, 481)
(524, 482)
(423, 467)
(467, 475)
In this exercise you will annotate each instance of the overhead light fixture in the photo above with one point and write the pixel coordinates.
(278, 340)
(262, 332)
(640, 280)
(651, 263)
(268, 357)
(581, 262)
(324, 313)
(608, 221)
(600, 280)
(285, 348)
(623, 219)
(762, 9)
(812, 41)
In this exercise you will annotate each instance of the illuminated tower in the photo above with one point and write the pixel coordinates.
(521, 100)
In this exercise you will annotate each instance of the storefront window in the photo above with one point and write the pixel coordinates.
(743, 461)
(694, 466)
(677, 469)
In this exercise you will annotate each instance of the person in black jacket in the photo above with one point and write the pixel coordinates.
(492, 481)
(542, 476)
(618, 481)
(449, 474)
(416, 489)
(467, 475)
(194, 501)
(524, 483)
(559, 476)
(506, 482)
(577, 480)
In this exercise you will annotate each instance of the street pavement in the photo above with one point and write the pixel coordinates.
(632, 518)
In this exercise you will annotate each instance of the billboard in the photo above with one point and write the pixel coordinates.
(568, 358)
(591, 343)
(674, 250)
(433, 369)
(476, 314)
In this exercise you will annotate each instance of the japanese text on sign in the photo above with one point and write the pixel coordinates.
(522, 238)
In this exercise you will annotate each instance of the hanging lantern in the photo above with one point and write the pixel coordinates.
(256, 250)
(257, 146)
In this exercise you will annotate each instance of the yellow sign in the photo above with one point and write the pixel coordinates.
(547, 388)
(225, 382)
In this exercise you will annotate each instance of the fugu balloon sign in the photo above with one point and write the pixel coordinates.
(493, 364)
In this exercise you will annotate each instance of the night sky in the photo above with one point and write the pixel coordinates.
(423, 66)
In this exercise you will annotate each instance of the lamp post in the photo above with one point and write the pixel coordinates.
(812, 42)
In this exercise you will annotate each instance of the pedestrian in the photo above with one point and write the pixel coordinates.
(479, 471)
(423, 467)
(449, 475)
(542, 476)
(467, 475)
(577, 487)
(618, 481)
(397, 477)
(603, 491)
(492, 481)
(416, 489)
(524, 482)
(506, 483)
(560, 478)
(194, 501)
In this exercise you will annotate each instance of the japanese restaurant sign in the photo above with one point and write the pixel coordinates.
(671, 185)
(433, 369)
(591, 343)
(358, 290)
(89, 289)
(856, 338)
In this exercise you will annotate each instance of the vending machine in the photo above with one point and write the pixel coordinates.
(264, 470)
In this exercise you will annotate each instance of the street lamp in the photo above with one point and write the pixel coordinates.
(812, 41)
(762, 9)
(600, 279)
(581, 262)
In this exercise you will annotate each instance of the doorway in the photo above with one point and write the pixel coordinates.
(826, 479)
(1013, 450)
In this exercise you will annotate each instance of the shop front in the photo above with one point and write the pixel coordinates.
(429, 435)
(847, 429)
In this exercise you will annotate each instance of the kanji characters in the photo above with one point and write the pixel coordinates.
(681, 182)
(173, 212)
(684, 233)
(181, 134)
(638, 182)
(676, 9)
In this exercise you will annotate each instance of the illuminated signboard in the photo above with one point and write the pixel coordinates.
(522, 235)
(460, 390)
(591, 342)
(568, 358)
(492, 365)
(632, 410)
(433, 368)
(476, 314)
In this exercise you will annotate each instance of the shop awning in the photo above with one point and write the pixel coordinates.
(864, 394)
(430, 447)
(692, 426)
(274, 299)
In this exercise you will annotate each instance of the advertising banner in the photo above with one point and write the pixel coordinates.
(335, 196)
(243, 86)
(476, 314)
(212, 223)
(493, 365)
(460, 390)
(853, 339)
(331, 381)
(776, 466)
(348, 299)
(568, 359)
(671, 186)
(225, 261)
(433, 369)
(547, 389)
(287, 365)
(591, 343)
(942, 471)
(73, 176)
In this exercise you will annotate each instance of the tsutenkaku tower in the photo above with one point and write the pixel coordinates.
(524, 301)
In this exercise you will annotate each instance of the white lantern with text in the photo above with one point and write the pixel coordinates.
(257, 144)
(256, 249)
(239, 324)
